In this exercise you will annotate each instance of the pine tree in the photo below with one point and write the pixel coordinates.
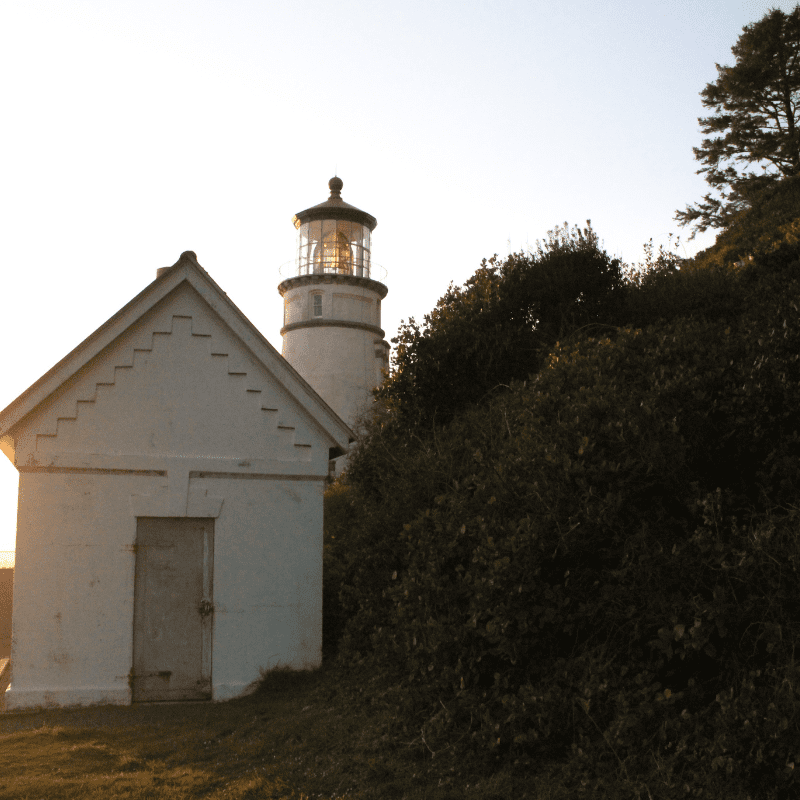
(754, 141)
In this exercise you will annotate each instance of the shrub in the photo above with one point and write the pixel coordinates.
(599, 565)
(501, 325)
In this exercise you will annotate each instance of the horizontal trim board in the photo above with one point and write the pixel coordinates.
(158, 473)
(333, 278)
(249, 476)
(332, 323)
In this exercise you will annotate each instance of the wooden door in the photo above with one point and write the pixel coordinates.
(172, 609)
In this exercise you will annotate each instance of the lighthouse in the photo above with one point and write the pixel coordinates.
(332, 305)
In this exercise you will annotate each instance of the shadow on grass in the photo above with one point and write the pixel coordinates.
(299, 735)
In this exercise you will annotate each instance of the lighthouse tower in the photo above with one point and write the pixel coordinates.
(332, 305)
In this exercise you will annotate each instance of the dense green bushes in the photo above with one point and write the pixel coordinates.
(501, 324)
(599, 566)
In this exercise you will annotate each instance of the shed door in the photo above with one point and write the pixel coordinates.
(172, 609)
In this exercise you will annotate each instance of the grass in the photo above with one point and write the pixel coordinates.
(300, 736)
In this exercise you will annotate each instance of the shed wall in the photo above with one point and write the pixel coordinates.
(73, 615)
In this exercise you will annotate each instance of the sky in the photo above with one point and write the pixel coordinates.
(136, 129)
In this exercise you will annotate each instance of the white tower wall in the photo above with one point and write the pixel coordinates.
(332, 337)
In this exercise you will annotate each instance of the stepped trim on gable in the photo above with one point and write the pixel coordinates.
(50, 427)
(185, 270)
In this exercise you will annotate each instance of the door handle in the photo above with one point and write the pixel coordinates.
(205, 608)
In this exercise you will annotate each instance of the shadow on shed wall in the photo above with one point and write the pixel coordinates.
(6, 594)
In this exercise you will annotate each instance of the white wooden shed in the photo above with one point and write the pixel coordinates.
(169, 535)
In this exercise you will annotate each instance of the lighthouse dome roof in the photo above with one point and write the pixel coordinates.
(335, 208)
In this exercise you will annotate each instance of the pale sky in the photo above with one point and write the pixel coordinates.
(133, 131)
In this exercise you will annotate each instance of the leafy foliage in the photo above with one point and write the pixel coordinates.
(754, 122)
(501, 324)
(772, 223)
(597, 567)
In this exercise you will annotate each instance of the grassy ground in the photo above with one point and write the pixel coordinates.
(298, 737)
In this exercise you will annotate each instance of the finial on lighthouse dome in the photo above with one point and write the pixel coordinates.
(335, 185)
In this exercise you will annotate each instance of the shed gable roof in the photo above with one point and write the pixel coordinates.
(166, 310)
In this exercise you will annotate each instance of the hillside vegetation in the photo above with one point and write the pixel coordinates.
(568, 535)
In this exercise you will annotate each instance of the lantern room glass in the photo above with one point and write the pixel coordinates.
(333, 246)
